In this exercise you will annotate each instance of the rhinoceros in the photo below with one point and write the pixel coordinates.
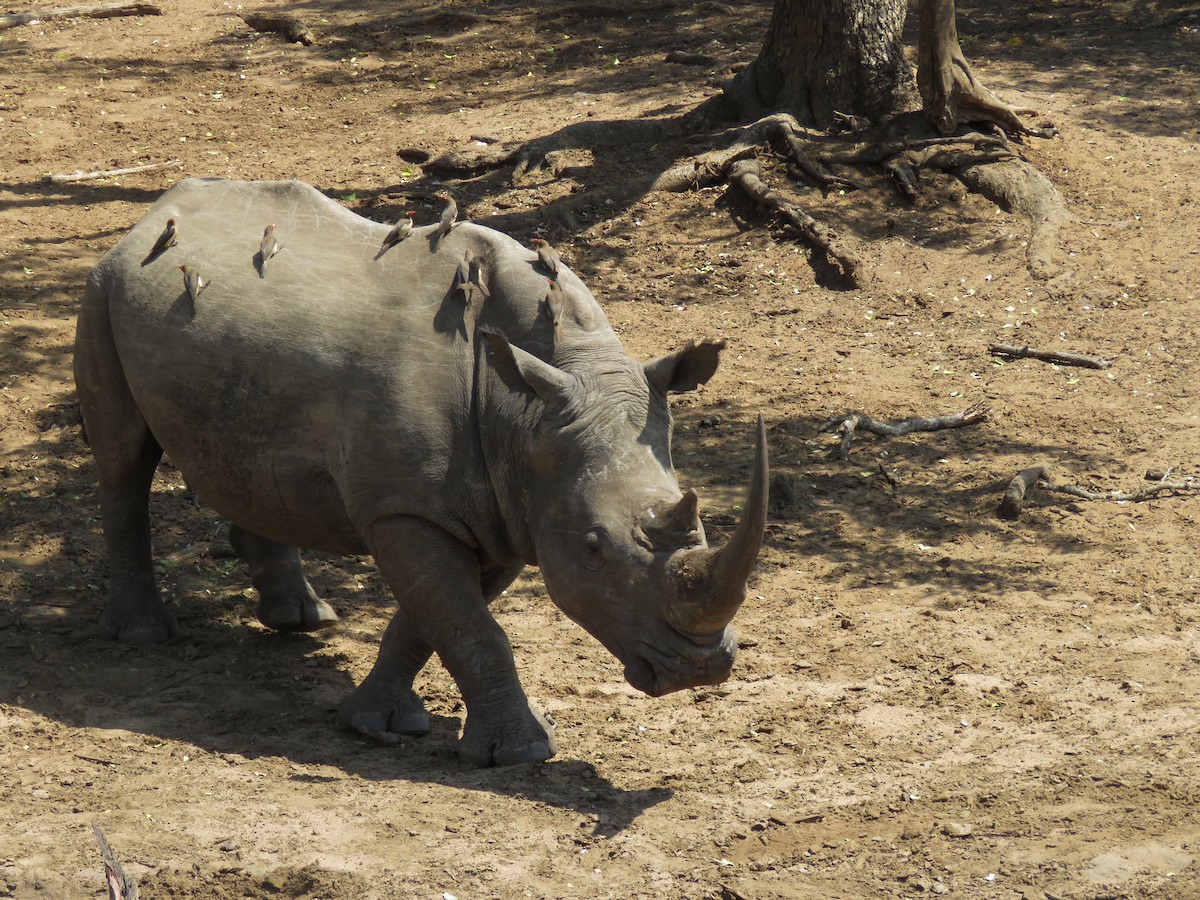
(356, 406)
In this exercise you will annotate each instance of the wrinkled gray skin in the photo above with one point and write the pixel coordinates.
(355, 407)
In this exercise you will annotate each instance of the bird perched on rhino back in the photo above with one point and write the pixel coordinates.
(548, 257)
(168, 239)
(267, 248)
(193, 283)
(554, 304)
(402, 229)
(449, 215)
(469, 277)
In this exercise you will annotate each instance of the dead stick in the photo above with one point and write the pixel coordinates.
(848, 423)
(107, 173)
(1145, 493)
(95, 759)
(1014, 497)
(90, 11)
(120, 885)
(1052, 356)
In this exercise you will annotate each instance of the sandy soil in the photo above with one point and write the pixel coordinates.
(929, 698)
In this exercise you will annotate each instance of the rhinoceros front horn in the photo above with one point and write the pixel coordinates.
(710, 584)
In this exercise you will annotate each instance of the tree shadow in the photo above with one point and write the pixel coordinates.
(866, 531)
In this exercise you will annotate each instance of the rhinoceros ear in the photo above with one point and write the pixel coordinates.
(553, 387)
(686, 369)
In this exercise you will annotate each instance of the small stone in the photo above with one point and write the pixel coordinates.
(956, 829)
(40, 794)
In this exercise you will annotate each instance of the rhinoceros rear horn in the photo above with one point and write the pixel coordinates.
(711, 584)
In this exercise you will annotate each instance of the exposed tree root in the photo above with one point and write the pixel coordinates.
(1014, 497)
(1017, 186)
(747, 175)
(986, 163)
(293, 30)
(847, 424)
(459, 163)
(950, 93)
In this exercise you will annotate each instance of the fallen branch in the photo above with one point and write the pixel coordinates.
(1147, 493)
(107, 173)
(1010, 505)
(1051, 356)
(90, 11)
(289, 26)
(848, 423)
(1014, 497)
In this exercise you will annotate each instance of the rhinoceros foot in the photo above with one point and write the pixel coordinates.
(138, 616)
(286, 599)
(384, 716)
(306, 612)
(523, 739)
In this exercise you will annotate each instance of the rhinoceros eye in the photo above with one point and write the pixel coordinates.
(593, 549)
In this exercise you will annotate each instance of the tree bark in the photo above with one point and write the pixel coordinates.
(825, 56)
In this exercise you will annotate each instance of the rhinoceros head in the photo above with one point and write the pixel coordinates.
(621, 547)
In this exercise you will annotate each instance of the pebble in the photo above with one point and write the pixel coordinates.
(956, 829)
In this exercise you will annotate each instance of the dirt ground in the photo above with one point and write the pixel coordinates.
(928, 699)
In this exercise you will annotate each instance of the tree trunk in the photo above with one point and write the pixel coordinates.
(825, 56)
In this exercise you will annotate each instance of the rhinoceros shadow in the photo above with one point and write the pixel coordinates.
(244, 693)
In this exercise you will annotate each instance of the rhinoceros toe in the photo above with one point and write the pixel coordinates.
(527, 739)
(311, 614)
(384, 719)
(141, 630)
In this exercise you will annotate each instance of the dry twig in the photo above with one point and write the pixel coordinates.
(1147, 493)
(107, 173)
(846, 424)
(1052, 356)
(87, 11)
(120, 885)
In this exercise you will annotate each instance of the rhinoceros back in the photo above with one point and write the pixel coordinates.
(331, 390)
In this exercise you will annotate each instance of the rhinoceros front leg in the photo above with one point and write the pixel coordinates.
(126, 455)
(385, 706)
(286, 601)
(443, 600)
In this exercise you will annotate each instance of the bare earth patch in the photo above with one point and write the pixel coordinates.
(929, 698)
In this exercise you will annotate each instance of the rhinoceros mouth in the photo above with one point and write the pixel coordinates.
(680, 662)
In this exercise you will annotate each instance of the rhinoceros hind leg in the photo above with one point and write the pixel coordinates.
(384, 706)
(286, 601)
(126, 455)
